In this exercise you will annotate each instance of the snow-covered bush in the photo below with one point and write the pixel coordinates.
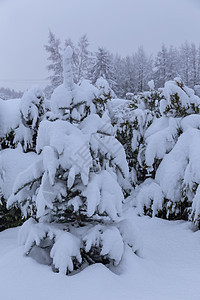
(179, 100)
(103, 96)
(19, 122)
(74, 189)
(149, 100)
(176, 102)
(160, 139)
(131, 123)
(9, 120)
(148, 198)
(20, 118)
(171, 152)
(178, 176)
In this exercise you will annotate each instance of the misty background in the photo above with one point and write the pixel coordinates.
(119, 26)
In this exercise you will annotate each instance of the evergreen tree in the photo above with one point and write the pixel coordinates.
(55, 58)
(160, 67)
(185, 63)
(83, 58)
(198, 66)
(103, 96)
(120, 76)
(193, 80)
(20, 119)
(173, 63)
(126, 76)
(69, 42)
(171, 151)
(73, 190)
(143, 67)
(19, 122)
(103, 66)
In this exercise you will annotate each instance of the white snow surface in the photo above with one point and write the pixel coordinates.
(168, 268)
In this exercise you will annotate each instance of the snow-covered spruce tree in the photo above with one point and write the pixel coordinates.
(19, 122)
(131, 120)
(20, 118)
(73, 190)
(12, 162)
(175, 102)
(102, 96)
(32, 110)
(179, 101)
(148, 100)
(178, 175)
(103, 67)
(172, 139)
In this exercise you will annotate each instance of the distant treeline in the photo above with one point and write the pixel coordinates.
(125, 74)
(6, 93)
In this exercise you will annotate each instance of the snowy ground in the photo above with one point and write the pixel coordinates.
(169, 269)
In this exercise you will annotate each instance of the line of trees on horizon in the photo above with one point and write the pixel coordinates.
(129, 74)
(124, 74)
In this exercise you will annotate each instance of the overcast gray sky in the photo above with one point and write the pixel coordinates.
(119, 25)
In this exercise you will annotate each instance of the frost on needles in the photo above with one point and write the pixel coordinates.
(72, 194)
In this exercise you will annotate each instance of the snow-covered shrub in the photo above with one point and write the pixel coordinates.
(131, 123)
(160, 138)
(74, 190)
(149, 99)
(12, 162)
(171, 152)
(32, 112)
(178, 177)
(19, 122)
(179, 100)
(148, 198)
(20, 118)
(103, 96)
(176, 102)
(9, 120)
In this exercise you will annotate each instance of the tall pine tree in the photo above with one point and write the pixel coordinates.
(55, 58)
